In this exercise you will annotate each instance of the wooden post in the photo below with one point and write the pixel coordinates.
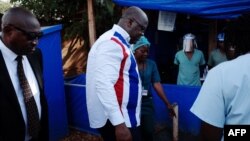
(91, 23)
(175, 123)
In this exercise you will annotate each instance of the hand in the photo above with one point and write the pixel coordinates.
(122, 133)
(171, 111)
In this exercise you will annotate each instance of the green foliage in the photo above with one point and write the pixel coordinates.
(72, 14)
(52, 11)
(105, 19)
(4, 6)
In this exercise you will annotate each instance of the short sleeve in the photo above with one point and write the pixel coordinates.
(176, 60)
(209, 105)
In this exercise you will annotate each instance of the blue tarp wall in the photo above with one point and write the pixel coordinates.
(184, 96)
(50, 44)
(216, 9)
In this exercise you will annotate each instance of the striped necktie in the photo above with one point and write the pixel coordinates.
(30, 104)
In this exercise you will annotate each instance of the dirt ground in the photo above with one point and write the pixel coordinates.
(76, 135)
(162, 133)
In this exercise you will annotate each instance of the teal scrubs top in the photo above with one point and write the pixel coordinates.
(189, 70)
(149, 75)
(216, 57)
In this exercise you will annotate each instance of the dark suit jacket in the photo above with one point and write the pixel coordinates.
(12, 126)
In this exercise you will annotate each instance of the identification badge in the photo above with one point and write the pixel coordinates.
(144, 92)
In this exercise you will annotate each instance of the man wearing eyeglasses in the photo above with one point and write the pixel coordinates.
(21, 73)
(113, 85)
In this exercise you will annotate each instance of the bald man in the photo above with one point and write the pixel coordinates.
(113, 86)
(20, 33)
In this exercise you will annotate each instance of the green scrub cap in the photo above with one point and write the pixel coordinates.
(141, 42)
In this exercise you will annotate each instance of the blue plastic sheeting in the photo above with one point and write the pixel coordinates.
(215, 9)
(184, 96)
(77, 109)
(78, 79)
(76, 104)
(50, 44)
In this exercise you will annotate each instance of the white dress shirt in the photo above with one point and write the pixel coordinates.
(9, 58)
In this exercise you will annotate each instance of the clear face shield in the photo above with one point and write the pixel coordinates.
(189, 43)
